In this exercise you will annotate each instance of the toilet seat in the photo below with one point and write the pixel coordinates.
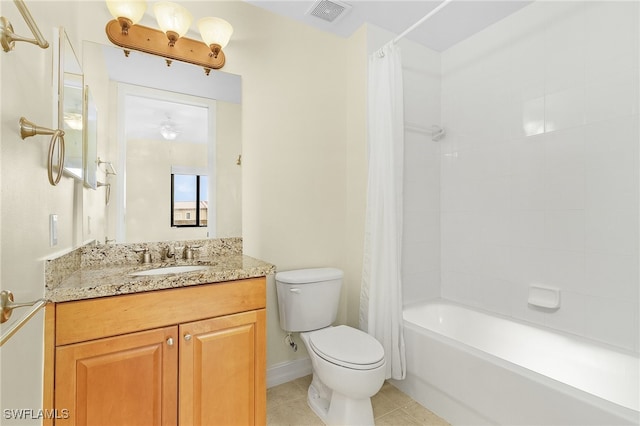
(347, 347)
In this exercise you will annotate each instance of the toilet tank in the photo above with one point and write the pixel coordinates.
(308, 299)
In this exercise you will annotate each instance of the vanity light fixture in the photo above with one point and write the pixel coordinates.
(169, 42)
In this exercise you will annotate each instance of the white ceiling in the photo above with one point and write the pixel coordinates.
(145, 116)
(455, 22)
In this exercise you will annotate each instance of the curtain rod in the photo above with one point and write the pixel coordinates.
(421, 21)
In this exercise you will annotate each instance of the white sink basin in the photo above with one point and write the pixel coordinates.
(170, 270)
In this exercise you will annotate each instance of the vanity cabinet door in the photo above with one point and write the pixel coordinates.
(124, 380)
(222, 370)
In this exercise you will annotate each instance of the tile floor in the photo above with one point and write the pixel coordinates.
(287, 405)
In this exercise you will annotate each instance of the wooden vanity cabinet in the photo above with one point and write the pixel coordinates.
(129, 379)
(189, 356)
(220, 393)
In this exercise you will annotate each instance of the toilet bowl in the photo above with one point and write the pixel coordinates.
(348, 364)
(348, 369)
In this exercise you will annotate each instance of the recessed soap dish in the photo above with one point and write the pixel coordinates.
(544, 296)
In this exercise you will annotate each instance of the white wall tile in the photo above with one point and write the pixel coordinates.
(613, 188)
(533, 116)
(565, 47)
(612, 231)
(612, 321)
(421, 227)
(565, 151)
(612, 32)
(565, 269)
(565, 191)
(612, 275)
(528, 155)
(564, 109)
(494, 227)
(543, 186)
(571, 317)
(527, 228)
(612, 144)
(612, 97)
(565, 229)
(528, 192)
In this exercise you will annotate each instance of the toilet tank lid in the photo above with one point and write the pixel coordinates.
(307, 276)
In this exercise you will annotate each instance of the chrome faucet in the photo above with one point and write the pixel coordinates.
(170, 253)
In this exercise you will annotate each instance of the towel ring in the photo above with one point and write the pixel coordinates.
(28, 129)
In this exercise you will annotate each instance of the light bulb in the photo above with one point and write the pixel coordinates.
(216, 33)
(173, 19)
(127, 12)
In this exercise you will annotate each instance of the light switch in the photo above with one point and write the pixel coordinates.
(53, 230)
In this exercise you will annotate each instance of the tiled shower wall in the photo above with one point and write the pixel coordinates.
(421, 239)
(539, 174)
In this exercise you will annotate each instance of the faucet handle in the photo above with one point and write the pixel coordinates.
(188, 251)
(146, 256)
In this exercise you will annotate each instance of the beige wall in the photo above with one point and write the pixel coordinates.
(148, 168)
(27, 199)
(303, 165)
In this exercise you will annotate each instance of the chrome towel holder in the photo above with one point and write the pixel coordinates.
(109, 169)
(8, 37)
(107, 195)
(8, 305)
(28, 129)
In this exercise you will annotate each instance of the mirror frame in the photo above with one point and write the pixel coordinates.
(64, 52)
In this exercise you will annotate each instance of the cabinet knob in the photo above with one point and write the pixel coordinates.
(170, 341)
(187, 337)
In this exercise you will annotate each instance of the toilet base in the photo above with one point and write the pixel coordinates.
(318, 403)
(336, 409)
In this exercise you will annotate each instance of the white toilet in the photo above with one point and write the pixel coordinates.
(348, 364)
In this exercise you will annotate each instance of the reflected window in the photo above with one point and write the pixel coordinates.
(189, 200)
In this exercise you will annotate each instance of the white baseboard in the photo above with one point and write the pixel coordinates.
(286, 371)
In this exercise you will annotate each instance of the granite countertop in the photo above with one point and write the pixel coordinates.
(101, 281)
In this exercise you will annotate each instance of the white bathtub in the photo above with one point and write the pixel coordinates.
(474, 368)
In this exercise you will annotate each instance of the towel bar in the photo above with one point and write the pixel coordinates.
(7, 304)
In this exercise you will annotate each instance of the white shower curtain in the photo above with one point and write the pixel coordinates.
(381, 294)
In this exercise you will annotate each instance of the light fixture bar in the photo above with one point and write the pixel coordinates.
(149, 40)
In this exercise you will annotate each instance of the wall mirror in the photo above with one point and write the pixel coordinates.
(165, 123)
(71, 106)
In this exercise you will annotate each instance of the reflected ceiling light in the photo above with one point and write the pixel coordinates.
(73, 120)
(168, 130)
(174, 22)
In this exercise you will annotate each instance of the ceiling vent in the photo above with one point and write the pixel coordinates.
(330, 11)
